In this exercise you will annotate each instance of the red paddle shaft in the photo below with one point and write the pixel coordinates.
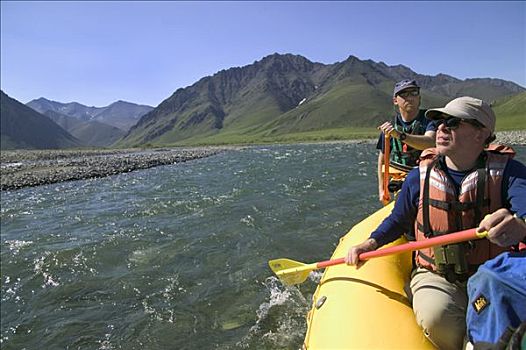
(451, 238)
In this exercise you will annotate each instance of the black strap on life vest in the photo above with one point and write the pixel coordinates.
(426, 257)
(454, 205)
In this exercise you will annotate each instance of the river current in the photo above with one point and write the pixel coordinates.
(175, 257)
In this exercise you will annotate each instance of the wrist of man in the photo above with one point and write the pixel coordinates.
(372, 243)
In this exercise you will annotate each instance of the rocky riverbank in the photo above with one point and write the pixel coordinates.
(24, 168)
(510, 138)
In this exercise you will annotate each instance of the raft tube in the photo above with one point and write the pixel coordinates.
(365, 308)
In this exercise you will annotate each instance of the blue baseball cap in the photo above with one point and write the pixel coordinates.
(404, 84)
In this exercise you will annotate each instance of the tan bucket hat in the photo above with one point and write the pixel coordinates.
(466, 108)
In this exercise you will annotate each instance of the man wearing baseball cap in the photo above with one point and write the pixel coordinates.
(456, 185)
(471, 110)
(410, 131)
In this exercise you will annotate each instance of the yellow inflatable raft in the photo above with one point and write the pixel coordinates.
(365, 308)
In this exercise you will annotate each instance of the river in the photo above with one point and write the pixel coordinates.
(175, 257)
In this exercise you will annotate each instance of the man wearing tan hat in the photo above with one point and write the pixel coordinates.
(454, 187)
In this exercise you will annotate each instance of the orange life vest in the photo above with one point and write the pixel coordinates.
(442, 210)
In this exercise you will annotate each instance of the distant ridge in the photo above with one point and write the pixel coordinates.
(285, 94)
(120, 114)
(90, 133)
(22, 127)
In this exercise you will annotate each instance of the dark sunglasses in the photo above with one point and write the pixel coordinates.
(453, 123)
(405, 94)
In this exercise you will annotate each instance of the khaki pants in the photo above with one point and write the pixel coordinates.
(440, 308)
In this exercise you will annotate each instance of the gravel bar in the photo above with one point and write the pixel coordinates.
(25, 168)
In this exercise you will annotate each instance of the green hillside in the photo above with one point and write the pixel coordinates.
(335, 116)
(511, 112)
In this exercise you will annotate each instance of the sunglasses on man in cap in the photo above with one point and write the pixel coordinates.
(453, 123)
(407, 93)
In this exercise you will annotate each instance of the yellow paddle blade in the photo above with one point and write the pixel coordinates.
(291, 272)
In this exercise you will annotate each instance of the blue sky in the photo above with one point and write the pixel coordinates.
(99, 52)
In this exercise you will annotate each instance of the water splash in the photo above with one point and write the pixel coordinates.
(39, 268)
(280, 321)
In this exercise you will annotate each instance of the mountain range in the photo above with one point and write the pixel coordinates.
(39, 124)
(282, 97)
(120, 114)
(288, 94)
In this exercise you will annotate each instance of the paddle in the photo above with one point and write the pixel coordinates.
(387, 154)
(292, 272)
